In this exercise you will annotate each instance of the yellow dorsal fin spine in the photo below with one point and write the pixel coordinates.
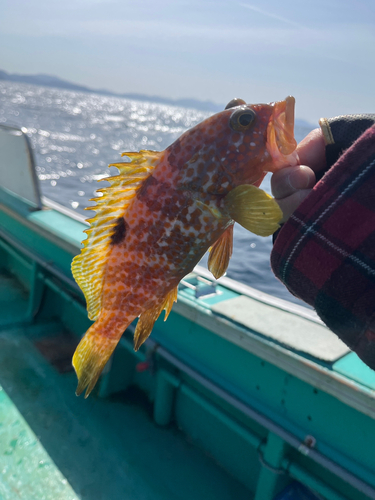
(88, 267)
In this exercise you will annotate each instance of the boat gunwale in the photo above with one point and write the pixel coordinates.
(341, 387)
(229, 283)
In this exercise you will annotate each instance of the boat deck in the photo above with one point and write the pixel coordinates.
(54, 445)
(245, 397)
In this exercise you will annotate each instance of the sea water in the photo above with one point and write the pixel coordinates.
(75, 135)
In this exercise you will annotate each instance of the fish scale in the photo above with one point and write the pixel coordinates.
(164, 211)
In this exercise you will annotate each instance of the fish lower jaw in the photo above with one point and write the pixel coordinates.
(280, 160)
(281, 144)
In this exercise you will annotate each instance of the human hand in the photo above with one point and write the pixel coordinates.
(291, 185)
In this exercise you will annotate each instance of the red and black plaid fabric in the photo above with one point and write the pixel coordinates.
(325, 253)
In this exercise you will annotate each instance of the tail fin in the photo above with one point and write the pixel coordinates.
(95, 349)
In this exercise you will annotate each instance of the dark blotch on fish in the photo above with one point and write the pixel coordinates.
(120, 231)
(145, 189)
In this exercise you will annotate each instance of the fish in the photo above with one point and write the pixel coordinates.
(164, 210)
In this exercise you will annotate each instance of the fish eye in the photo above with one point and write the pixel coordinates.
(241, 119)
(235, 102)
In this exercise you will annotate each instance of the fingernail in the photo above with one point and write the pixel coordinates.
(298, 179)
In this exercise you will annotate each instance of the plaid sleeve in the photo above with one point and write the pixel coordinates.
(325, 252)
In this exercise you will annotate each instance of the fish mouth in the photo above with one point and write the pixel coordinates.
(280, 132)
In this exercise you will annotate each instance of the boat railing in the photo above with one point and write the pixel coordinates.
(208, 284)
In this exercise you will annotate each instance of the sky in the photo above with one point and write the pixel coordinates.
(322, 52)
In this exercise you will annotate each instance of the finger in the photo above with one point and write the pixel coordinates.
(311, 151)
(288, 180)
(289, 204)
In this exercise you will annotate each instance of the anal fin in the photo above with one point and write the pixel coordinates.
(148, 318)
(220, 253)
(254, 209)
(169, 300)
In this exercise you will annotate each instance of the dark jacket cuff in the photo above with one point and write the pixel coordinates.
(341, 132)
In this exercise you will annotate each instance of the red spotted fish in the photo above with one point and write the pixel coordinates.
(164, 210)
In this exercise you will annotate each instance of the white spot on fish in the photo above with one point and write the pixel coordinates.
(252, 144)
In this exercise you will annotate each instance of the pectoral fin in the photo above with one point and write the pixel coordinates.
(254, 209)
(220, 253)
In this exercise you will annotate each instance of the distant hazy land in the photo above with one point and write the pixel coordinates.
(53, 81)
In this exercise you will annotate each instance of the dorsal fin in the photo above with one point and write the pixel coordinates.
(88, 267)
